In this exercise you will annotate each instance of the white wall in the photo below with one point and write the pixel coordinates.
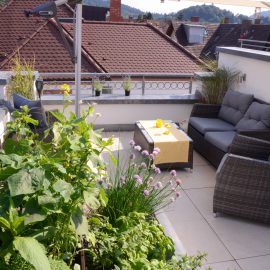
(4, 118)
(130, 113)
(257, 71)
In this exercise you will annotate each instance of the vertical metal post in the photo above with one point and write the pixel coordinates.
(143, 86)
(78, 58)
(190, 86)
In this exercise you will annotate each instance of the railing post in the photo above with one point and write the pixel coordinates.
(143, 86)
(190, 86)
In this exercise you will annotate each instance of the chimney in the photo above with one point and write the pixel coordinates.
(195, 19)
(115, 11)
(226, 20)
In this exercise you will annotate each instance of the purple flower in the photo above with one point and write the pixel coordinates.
(143, 165)
(173, 173)
(155, 153)
(138, 179)
(177, 194)
(146, 193)
(138, 148)
(151, 156)
(131, 143)
(156, 149)
(145, 153)
(158, 185)
(157, 170)
(132, 156)
(122, 179)
(178, 182)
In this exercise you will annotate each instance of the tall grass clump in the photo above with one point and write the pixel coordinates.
(215, 86)
(22, 80)
(138, 186)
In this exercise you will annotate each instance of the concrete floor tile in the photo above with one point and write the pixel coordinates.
(255, 263)
(229, 265)
(203, 200)
(196, 236)
(198, 159)
(243, 238)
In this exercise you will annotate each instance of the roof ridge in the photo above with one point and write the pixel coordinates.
(176, 44)
(88, 57)
(2, 64)
(6, 5)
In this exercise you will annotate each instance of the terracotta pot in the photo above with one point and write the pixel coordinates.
(127, 93)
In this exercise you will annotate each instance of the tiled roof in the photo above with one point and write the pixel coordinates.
(107, 46)
(229, 34)
(133, 47)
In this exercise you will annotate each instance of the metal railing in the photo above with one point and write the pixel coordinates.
(254, 44)
(141, 83)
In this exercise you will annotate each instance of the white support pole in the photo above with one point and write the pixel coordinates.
(78, 57)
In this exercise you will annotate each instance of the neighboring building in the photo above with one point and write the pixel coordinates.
(228, 35)
(181, 32)
(106, 46)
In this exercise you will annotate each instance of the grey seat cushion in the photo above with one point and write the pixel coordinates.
(234, 106)
(256, 117)
(210, 124)
(36, 109)
(221, 140)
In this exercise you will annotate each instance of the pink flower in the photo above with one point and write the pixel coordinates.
(138, 179)
(173, 173)
(138, 148)
(177, 194)
(156, 149)
(145, 153)
(151, 156)
(131, 143)
(155, 153)
(146, 193)
(157, 170)
(158, 185)
(178, 182)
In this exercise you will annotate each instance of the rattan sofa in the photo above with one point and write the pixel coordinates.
(243, 180)
(213, 127)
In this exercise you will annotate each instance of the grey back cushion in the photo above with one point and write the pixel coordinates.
(234, 106)
(256, 117)
(36, 109)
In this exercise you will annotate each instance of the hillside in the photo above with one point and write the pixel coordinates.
(265, 13)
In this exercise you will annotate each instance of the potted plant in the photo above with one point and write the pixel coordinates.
(97, 87)
(127, 86)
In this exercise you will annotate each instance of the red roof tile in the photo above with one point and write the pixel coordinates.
(133, 47)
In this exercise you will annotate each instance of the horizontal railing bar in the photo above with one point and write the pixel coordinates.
(254, 41)
(254, 46)
(117, 74)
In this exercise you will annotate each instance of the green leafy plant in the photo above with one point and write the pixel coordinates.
(46, 187)
(22, 80)
(138, 187)
(127, 84)
(97, 85)
(135, 242)
(215, 86)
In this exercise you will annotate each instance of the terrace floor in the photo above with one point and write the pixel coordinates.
(230, 243)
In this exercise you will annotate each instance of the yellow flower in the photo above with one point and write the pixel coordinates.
(166, 132)
(66, 89)
(167, 125)
(159, 123)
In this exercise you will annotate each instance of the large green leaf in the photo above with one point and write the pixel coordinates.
(25, 182)
(34, 218)
(90, 198)
(64, 188)
(80, 222)
(32, 251)
(4, 224)
(103, 197)
(6, 172)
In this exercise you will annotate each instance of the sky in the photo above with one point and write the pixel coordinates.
(173, 6)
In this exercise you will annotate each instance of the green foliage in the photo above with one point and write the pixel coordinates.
(127, 84)
(45, 187)
(97, 85)
(216, 85)
(134, 243)
(22, 81)
(138, 187)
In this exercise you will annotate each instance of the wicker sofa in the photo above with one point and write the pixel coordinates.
(213, 127)
(243, 180)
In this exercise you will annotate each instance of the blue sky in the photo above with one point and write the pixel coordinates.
(172, 6)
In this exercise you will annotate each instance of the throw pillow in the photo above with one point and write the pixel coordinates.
(234, 106)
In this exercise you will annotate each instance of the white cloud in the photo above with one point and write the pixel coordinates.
(172, 6)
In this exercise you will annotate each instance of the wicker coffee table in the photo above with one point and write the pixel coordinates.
(174, 158)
